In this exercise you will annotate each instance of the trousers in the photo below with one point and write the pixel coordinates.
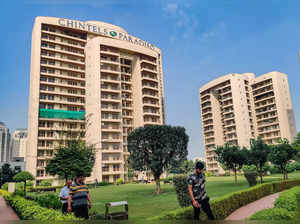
(204, 204)
(81, 212)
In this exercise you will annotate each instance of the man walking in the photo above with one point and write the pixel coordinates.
(64, 195)
(79, 198)
(196, 188)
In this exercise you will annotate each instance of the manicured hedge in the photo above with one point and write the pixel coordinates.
(285, 207)
(181, 189)
(30, 210)
(45, 189)
(48, 200)
(225, 205)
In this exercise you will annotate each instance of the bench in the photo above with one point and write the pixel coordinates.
(116, 215)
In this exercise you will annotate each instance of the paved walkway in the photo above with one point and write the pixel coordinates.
(6, 212)
(248, 210)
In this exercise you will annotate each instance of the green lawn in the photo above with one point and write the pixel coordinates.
(143, 203)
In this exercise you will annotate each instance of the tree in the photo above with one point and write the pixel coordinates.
(76, 158)
(185, 167)
(258, 155)
(281, 155)
(45, 183)
(6, 174)
(296, 145)
(131, 174)
(231, 157)
(23, 177)
(156, 147)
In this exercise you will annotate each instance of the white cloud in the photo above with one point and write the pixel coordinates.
(184, 22)
(171, 8)
(218, 31)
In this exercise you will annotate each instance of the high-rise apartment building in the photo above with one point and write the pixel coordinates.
(93, 79)
(4, 143)
(18, 144)
(238, 107)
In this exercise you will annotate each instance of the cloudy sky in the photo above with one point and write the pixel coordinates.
(200, 40)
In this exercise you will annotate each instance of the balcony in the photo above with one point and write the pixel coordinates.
(108, 51)
(108, 69)
(153, 71)
(61, 114)
(109, 61)
(148, 62)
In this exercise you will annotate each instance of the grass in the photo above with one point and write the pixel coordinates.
(144, 204)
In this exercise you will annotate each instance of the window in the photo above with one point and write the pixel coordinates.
(116, 146)
(51, 71)
(43, 44)
(105, 168)
(42, 106)
(43, 69)
(51, 79)
(50, 88)
(50, 106)
(43, 78)
(43, 96)
(105, 146)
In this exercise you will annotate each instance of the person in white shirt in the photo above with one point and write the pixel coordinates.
(64, 194)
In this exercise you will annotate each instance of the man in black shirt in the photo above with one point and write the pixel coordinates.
(196, 188)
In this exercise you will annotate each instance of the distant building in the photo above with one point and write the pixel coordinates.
(17, 164)
(4, 143)
(238, 107)
(18, 144)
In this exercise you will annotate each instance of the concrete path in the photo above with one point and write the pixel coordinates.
(7, 214)
(248, 210)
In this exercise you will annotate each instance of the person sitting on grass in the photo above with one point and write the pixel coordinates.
(79, 198)
(196, 188)
(64, 195)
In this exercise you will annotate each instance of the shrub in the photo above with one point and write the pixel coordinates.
(251, 177)
(227, 173)
(250, 168)
(181, 189)
(5, 186)
(45, 189)
(208, 174)
(103, 183)
(296, 165)
(273, 214)
(285, 207)
(45, 183)
(290, 168)
(223, 206)
(46, 200)
(120, 181)
(274, 169)
(30, 210)
(288, 199)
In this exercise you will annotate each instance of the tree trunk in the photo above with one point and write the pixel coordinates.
(235, 176)
(157, 180)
